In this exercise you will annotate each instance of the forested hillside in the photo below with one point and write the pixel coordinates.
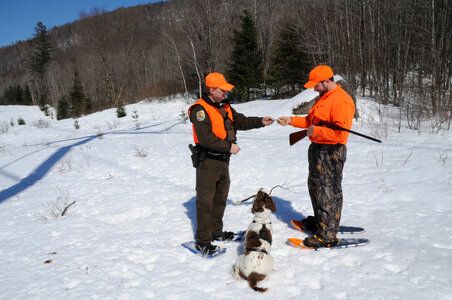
(399, 52)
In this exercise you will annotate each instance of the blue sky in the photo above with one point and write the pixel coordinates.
(18, 18)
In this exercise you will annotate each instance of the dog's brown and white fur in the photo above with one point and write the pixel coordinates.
(256, 263)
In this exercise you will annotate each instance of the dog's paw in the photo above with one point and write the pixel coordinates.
(235, 272)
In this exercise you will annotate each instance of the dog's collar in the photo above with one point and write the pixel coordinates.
(257, 250)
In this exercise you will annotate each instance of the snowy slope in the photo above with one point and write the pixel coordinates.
(121, 238)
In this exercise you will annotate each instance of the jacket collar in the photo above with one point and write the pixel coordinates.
(209, 101)
(327, 94)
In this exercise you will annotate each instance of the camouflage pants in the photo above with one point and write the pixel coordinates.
(326, 163)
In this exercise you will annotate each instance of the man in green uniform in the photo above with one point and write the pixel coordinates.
(215, 124)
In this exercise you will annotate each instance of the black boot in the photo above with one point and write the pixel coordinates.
(206, 248)
(225, 236)
(317, 242)
(310, 224)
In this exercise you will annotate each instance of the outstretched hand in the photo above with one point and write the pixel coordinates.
(284, 121)
(267, 121)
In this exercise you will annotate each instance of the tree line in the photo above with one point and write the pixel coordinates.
(398, 52)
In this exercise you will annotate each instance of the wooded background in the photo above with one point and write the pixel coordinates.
(396, 51)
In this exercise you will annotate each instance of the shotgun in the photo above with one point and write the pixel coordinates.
(294, 137)
(299, 135)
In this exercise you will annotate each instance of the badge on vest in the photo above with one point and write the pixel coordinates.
(201, 115)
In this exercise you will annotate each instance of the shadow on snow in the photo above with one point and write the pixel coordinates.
(284, 211)
(40, 171)
(45, 167)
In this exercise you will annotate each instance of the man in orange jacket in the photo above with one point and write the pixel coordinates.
(215, 124)
(327, 154)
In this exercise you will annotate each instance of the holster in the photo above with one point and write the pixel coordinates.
(197, 155)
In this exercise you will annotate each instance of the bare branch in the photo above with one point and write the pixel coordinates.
(65, 209)
(279, 186)
(241, 201)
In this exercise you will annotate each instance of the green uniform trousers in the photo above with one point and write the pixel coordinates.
(212, 188)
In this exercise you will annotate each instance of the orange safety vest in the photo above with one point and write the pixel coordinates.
(215, 117)
(334, 107)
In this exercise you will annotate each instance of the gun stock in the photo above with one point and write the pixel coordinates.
(295, 137)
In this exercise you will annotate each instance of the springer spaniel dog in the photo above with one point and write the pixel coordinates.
(256, 263)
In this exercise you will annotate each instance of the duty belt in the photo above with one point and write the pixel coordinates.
(212, 154)
(217, 155)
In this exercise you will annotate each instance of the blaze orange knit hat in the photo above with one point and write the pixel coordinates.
(217, 80)
(319, 73)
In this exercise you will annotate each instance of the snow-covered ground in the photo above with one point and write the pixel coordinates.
(135, 203)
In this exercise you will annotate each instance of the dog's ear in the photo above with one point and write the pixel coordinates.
(253, 209)
(271, 204)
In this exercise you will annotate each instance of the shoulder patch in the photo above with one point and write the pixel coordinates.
(201, 115)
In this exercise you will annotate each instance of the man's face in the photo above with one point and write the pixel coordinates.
(217, 94)
(321, 87)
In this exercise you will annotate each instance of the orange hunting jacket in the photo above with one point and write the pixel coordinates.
(215, 117)
(334, 107)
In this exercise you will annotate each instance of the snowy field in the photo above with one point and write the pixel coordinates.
(135, 203)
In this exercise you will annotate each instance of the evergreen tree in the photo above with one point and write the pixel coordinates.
(3, 98)
(7, 97)
(121, 110)
(39, 60)
(76, 104)
(43, 104)
(88, 105)
(290, 64)
(20, 121)
(19, 95)
(13, 95)
(77, 98)
(245, 66)
(63, 109)
(27, 96)
(40, 57)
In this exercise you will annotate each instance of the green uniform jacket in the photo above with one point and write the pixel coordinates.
(208, 140)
